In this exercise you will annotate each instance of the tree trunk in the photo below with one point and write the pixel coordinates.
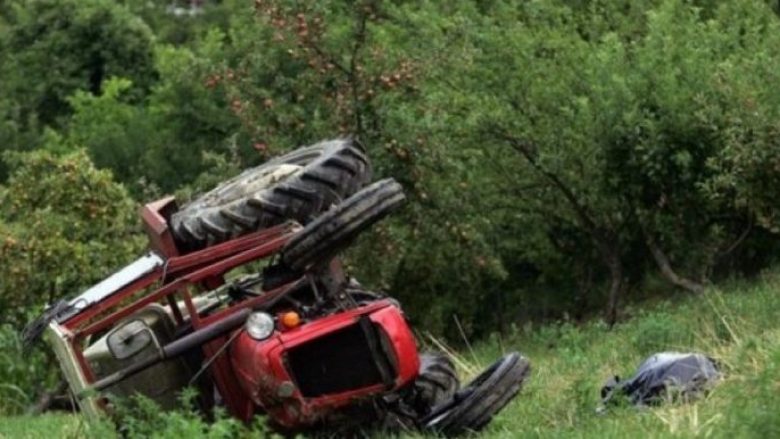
(46, 399)
(604, 237)
(616, 286)
(584, 287)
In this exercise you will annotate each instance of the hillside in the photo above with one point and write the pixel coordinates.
(737, 324)
(586, 178)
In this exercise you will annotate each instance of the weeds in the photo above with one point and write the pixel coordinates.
(737, 326)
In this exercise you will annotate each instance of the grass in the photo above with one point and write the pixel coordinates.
(49, 426)
(738, 324)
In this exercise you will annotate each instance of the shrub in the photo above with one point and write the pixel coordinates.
(64, 225)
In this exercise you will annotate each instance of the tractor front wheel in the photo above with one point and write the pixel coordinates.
(335, 229)
(475, 405)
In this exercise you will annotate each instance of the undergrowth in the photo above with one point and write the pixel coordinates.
(736, 324)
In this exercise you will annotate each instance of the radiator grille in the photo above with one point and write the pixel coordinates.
(338, 362)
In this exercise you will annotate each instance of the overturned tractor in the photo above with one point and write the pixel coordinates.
(243, 297)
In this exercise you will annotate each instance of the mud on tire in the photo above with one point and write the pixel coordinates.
(295, 186)
(335, 229)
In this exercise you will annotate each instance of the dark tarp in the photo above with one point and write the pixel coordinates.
(665, 375)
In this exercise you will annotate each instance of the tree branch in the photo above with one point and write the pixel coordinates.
(605, 240)
(360, 40)
(327, 57)
(745, 233)
(527, 150)
(665, 265)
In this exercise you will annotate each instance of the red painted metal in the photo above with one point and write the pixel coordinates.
(271, 240)
(191, 309)
(249, 374)
(112, 301)
(155, 217)
(218, 267)
(260, 365)
(175, 309)
(187, 270)
(254, 302)
(236, 400)
(402, 339)
(77, 350)
(120, 314)
(207, 256)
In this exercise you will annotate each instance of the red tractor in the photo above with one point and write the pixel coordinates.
(240, 300)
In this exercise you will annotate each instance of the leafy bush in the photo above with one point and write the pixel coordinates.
(50, 49)
(140, 417)
(22, 373)
(554, 153)
(64, 225)
(609, 145)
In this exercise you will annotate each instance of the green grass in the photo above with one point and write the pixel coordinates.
(738, 324)
(49, 426)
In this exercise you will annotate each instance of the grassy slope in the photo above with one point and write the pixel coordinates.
(739, 325)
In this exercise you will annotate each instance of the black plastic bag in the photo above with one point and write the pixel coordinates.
(665, 376)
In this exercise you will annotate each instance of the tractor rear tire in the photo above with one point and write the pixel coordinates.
(475, 405)
(295, 186)
(436, 383)
(335, 229)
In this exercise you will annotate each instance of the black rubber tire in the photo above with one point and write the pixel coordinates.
(475, 405)
(335, 229)
(436, 383)
(295, 186)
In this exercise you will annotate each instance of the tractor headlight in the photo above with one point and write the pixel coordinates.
(260, 325)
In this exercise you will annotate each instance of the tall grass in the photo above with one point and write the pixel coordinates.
(737, 324)
(23, 373)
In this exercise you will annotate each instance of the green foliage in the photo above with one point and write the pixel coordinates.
(562, 395)
(53, 425)
(64, 225)
(753, 414)
(191, 118)
(142, 418)
(188, 121)
(600, 142)
(51, 49)
(545, 146)
(660, 332)
(22, 373)
(114, 131)
(570, 364)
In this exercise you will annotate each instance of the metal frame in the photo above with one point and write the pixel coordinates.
(203, 269)
(265, 381)
(172, 277)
